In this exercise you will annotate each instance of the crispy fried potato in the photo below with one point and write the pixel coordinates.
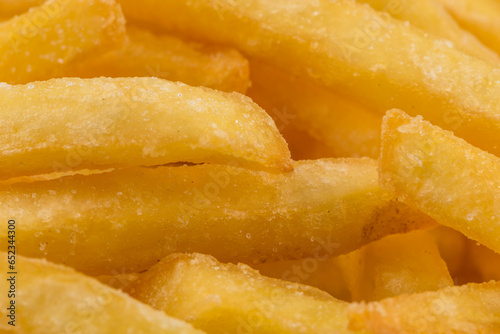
(321, 272)
(353, 49)
(55, 299)
(443, 176)
(347, 129)
(394, 265)
(71, 124)
(171, 58)
(478, 16)
(434, 19)
(228, 298)
(55, 37)
(471, 308)
(127, 220)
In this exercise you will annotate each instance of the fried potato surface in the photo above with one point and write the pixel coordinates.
(55, 299)
(394, 265)
(443, 176)
(433, 18)
(323, 273)
(353, 49)
(478, 16)
(48, 40)
(129, 219)
(228, 298)
(71, 124)
(344, 126)
(471, 308)
(171, 58)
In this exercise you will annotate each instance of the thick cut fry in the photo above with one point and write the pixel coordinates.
(348, 129)
(478, 16)
(443, 176)
(55, 37)
(127, 220)
(351, 48)
(397, 264)
(434, 19)
(471, 308)
(228, 298)
(55, 299)
(9, 8)
(171, 58)
(323, 273)
(71, 124)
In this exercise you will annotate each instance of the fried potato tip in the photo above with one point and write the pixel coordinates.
(72, 124)
(230, 298)
(443, 176)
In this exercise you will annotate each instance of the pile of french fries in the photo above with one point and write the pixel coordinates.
(230, 166)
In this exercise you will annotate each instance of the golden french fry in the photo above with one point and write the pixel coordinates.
(35, 46)
(347, 129)
(72, 124)
(394, 265)
(9, 8)
(434, 19)
(443, 176)
(51, 298)
(171, 58)
(478, 16)
(323, 273)
(128, 219)
(350, 48)
(471, 308)
(229, 298)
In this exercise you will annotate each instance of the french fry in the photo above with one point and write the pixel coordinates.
(394, 265)
(72, 124)
(478, 16)
(350, 48)
(129, 219)
(171, 58)
(229, 298)
(434, 19)
(77, 304)
(322, 273)
(443, 176)
(343, 126)
(471, 308)
(34, 46)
